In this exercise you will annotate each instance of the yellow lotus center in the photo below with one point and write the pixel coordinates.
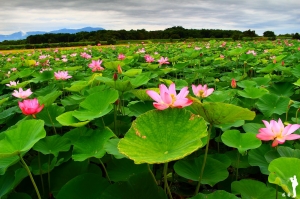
(201, 92)
(173, 99)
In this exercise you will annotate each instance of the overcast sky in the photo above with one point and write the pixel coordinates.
(280, 16)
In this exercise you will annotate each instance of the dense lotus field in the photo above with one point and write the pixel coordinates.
(210, 120)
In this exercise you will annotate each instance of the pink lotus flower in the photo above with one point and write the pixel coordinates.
(121, 57)
(30, 107)
(148, 58)
(202, 91)
(85, 55)
(63, 75)
(96, 65)
(168, 97)
(12, 83)
(277, 132)
(163, 60)
(22, 94)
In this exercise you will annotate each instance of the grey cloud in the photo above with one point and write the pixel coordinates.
(281, 17)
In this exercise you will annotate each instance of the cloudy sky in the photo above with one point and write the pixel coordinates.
(280, 16)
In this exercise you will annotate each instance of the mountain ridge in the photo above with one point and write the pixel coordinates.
(23, 35)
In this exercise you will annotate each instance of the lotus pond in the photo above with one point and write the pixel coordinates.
(186, 120)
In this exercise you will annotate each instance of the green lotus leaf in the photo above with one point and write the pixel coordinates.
(252, 92)
(256, 157)
(283, 171)
(215, 171)
(123, 169)
(120, 85)
(284, 151)
(246, 84)
(113, 65)
(111, 147)
(50, 98)
(237, 161)
(21, 138)
(132, 72)
(90, 143)
(49, 115)
(218, 113)
(42, 77)
(253, 189)
(6, 183)
(139, 81)
(19, 196)
(67, 119)
(77, 86)
(87, 185)
(241, 141)
(270, 104)
(52, 145)
(215, 195)
(282, 89)
(139, 108)
(162, 136)
(96, 105)
(138, 186)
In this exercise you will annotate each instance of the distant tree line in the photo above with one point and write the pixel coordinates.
(176, 32)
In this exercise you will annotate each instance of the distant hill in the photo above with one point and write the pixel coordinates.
(24, 35)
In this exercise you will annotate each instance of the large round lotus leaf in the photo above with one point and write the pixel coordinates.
(67, 119)
(96, 105)
(215, 171)
(252, 189)
(87, 185)
(19, 196)
(123, 169)
(272, 103)
(256, 157)
(218, 113)
(52, 145)
(111, 147)
(88, 143)
(49, 115)
(252, 92)
(241, 141)
(21, 137)
(6, 182)
(163, 136)
(139, 80)
(284, 171)
(138, 186)
(219, 194)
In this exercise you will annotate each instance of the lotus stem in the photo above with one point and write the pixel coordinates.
(105, 170)
(204, 160)
(153, 176)
(166, 186)
(31, 177)
(237, 166)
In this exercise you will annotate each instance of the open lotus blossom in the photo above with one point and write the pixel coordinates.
(63, 75)
(96, 65)
(148, 58)
(12, 83)
(121, 57)
(30, 107)
(21, 93)
(163, 60)
(277, 132)
(168, 97)
(202, 91)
